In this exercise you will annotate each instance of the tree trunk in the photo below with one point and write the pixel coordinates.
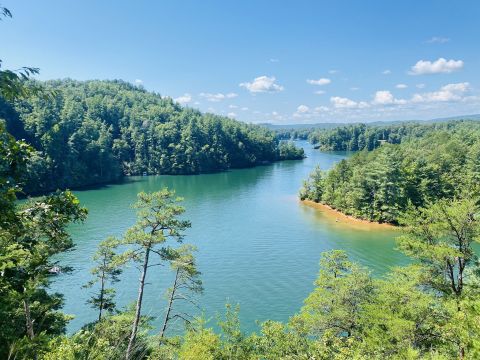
(170, 303)
(138, 309)
(29, 323)
(102, 291)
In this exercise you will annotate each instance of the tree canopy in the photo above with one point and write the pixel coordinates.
(95, 132)
(355, 137)
(379, 185)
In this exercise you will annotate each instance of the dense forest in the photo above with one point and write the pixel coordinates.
(426, 310)
(98, 131)
(380, 185)
(357, 137)
(294, 134)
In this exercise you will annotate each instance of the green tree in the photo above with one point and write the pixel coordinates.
(440, 237)
(29, 244)
(335, 306)
(185, 285)
(107, 270)
(157, 222)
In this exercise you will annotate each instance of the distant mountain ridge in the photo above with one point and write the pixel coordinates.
(331, 125)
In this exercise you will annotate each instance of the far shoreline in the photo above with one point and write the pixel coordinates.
(347, 219)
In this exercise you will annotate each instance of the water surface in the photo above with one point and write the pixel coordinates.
(258, 246)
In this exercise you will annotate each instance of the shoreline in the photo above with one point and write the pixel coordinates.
(347, 219)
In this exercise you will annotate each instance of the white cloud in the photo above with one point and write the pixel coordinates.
(262, 84)
(354, 88)
(302, 109)
(438, 40)
(460, 87)
(401, 86)
(319, 92)
(244, 108)
(420, 86)
(436, 67)
(449, 92)
(138, 82)
(232, 106)
(218, 96)
(332, 71)
(321, 109)
(276, 116)
(184, 99)
(273, 60)
(385, 97)
(231, 114)
(321, 81)
(345, 103)
(386, 72)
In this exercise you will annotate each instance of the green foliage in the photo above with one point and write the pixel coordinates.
(288, 151)
(415, 312)
(379, 185)
(107, 270)
(294, 134)
(335, 305)
(358, 137)
(98, 131)
(157, 222)
(186, 285)
(13, 158)
(104, 340)
(13, 83)
(441, 237)
(27, 245)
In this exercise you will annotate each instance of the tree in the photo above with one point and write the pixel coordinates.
(106, 271)
(186, 284)
(440, 237)
(157, 222)
(30, 235)
(335, 306)
(38, 233)
(94, 132)
(437, 162)
(13, 159)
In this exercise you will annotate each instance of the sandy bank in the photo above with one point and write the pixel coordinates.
(339, 217)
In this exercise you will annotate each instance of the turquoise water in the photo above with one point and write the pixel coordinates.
(258, 246)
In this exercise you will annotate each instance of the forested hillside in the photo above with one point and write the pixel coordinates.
(381, 184)
(426, 310)
(362, 136)
(98, 131)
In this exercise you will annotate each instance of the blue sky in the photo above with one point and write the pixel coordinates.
(264, 61)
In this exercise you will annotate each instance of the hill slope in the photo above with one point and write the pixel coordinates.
(98, 131)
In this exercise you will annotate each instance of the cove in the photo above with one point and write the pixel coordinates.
(258, 245)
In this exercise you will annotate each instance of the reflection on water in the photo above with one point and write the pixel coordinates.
(258, 246)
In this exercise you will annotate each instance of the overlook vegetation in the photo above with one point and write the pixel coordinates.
(95, 132)
(429, 309)
(380, 185)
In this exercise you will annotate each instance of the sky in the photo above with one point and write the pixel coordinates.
(279, 62)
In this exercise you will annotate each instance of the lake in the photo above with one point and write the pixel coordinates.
(258, 246)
